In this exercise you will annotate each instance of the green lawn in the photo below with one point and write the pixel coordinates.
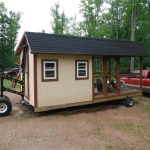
(9, 84)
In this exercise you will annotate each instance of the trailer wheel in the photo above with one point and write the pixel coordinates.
(5, 106)
(129, 102)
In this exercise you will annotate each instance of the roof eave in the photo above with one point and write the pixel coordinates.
(123, 55)
(22, 42)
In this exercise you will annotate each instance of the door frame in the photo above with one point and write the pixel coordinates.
(27, 76)
(105, 75)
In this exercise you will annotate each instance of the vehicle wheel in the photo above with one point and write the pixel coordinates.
(129, 102)
(6, 97)
(121, 84)
(5, 106)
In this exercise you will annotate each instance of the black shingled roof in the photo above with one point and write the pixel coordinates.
(62, 44)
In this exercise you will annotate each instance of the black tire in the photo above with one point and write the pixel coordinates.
(6, 97)
(129, 102)
(5, 106)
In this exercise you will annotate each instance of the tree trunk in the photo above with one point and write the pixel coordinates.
(133, 25)
(117, 21)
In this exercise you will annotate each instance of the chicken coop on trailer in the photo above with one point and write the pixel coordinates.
(64, 71)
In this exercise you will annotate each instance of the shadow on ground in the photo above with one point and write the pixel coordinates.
(28, 110)
(92, 108)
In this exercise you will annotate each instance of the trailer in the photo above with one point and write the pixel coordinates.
(5, 103)
(61, 71)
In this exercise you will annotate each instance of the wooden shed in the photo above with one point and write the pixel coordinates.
(64, 71)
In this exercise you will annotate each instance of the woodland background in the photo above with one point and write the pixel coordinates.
(111, 19)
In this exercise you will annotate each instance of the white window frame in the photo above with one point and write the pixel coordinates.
(50, 69)
(85, 69)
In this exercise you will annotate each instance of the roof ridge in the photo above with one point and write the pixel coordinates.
(82, 37)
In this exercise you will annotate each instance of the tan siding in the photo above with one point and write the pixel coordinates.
(31, 81)
(66, 89)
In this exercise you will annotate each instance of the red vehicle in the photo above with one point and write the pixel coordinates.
(133, 81)
(11, 72)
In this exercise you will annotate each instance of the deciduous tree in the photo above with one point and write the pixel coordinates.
(60, 22)
(9, 26)
(92, 24)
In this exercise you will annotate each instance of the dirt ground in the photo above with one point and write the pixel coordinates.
(104, 126)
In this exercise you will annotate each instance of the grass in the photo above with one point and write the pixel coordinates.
(139, 96)
(109, 147)
(147, 109)
(22, 116)
(9, 84)
(146, 106)
(97, 132)
(125, 126)
(141, 130)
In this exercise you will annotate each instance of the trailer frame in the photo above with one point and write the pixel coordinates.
(5, 104)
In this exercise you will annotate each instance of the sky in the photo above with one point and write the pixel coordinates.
(36, 13)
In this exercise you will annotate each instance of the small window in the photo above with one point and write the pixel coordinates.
(50, 70)
(81, 69)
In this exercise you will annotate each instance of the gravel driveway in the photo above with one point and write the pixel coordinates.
(104, 126)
